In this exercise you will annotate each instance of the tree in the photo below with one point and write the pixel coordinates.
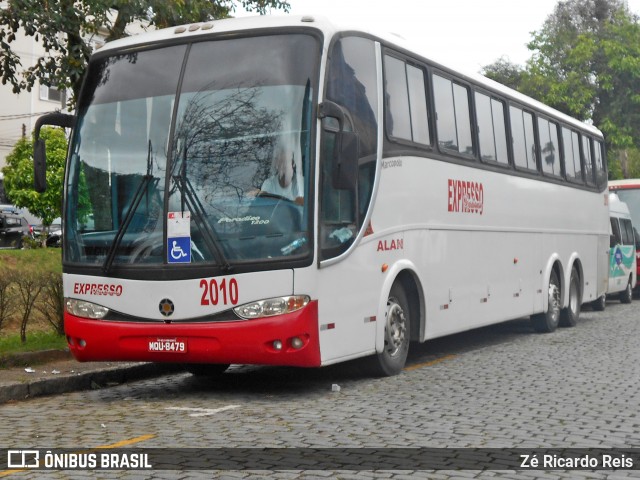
(18, 175)
(505, 72)
(586, 62)
(67, 55)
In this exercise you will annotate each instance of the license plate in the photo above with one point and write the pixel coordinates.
(169, 345)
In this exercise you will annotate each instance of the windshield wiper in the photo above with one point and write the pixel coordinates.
(137, 198)
(190, 198)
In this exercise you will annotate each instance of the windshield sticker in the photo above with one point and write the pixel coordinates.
(254, 220)
(179, 237)
(179, 224)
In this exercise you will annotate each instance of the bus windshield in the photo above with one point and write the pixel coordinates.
(194, 154)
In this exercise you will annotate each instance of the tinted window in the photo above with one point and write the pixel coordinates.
(452, 116)
(491, 129)
(397, 96)
(588, 164)
(627, 232)
(406, 101)
(615, 230)
(601, 164)
(418, 103)
(352, 83)
(549, 147)
(524, 150)
(571, 150)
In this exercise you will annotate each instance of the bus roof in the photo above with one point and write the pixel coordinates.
(329, 27)
(617, 206)
(629, 183)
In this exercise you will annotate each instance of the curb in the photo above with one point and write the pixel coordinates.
(91, 380)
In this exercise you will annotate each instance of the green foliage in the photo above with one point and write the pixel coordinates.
(7, 298)
(586, 62)
(18, 175)
(67, 55)
(28, 285)
(624, 163)
(505, 72)
(30, 282)
(51, 304)
(37, 341)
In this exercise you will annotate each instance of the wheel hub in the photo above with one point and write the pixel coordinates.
(395, 328)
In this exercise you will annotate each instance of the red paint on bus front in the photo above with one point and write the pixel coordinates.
(241, 342)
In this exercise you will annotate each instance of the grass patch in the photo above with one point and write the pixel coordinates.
(38, 263)
(43, 260)
(36, 341)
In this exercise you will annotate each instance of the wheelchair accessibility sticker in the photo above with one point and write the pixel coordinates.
(179, 237)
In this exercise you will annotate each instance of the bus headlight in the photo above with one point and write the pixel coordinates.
(82, 308)
(271, 306)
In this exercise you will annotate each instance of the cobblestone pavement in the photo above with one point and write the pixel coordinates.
(501, 387)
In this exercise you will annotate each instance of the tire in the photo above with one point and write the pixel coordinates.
(206, 369)
(600, 304)
(627, 295)
(569, 316)
(548, 321)
(397, 334)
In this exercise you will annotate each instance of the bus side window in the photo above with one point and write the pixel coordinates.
(616, 237)
(352, 85)
(588, 162)
(601, 164)
(453, 118)
(549, 147)
(627, 232)
(524, 148)
(406, 112)
(491, 129)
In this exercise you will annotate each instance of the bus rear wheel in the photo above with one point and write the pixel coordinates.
(601, 303)
(627, 295)
(392, 359)
(569, 316)
(548, 321)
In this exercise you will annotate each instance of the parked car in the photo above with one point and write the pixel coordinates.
(13, 230)
(54, 239)
(53, 235)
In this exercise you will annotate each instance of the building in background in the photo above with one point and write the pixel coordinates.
(20, 111)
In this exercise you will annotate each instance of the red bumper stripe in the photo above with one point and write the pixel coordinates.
(243, 342)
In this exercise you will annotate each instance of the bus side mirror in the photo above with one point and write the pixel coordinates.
(346, 150)
(39, 166)
(345, 161)
(39, 151)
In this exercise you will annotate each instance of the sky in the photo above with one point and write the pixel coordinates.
(467, 34)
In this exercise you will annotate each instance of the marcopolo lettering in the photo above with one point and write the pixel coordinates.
(465, 196)
(106, 289)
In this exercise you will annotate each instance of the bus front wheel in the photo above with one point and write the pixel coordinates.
(548, 321)
(392, 359)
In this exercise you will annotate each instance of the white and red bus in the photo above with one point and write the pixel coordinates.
(628, 191)
(285, 191)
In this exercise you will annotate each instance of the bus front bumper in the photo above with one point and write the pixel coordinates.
(290, 339)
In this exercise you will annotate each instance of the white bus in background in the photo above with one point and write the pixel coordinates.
(414, 201)
(628, 191)
(622, 254)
